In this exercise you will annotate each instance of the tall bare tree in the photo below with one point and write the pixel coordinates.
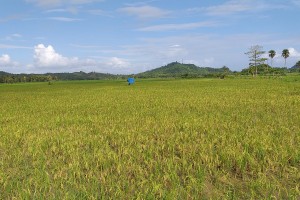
(255, 57)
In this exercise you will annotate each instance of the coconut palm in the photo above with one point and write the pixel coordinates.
(285, 54)
(272, 54)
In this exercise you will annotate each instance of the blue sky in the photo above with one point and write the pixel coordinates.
(129, 36)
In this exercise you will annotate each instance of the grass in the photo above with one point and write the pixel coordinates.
(166, 139)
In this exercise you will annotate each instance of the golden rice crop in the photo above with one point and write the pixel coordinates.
(172, 139)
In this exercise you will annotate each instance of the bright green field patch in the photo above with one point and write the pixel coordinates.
(173, 139)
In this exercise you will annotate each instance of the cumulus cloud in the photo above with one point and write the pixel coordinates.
(5, 61)
(117, 63)
(45, 57)
(145, 12)
(294, 52)
(279, 61)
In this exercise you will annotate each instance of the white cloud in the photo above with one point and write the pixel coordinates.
(64, 19)
(294, 52)
(175, 45)
(72, 9)
(100, 12)
(145, 12)
(13, 37)
(117, 63)
(229, 7)
(5, 61)
(16, 35)
(60, 10)
(186, 26)
(140, 3)
(238, 6)
(209, 50)
(7, 46)
(55, 3)
(47, 57)
(278, 60)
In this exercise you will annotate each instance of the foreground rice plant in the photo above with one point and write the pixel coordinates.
(174, 139)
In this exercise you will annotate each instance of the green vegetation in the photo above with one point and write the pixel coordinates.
(158, 139)
(174, 69)
(177, 69)
(296, 67)
(265, 70)
(272, 54)
(17, 78)
(285, 54)
(255, 54)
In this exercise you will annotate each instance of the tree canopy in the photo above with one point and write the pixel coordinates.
(285, 54)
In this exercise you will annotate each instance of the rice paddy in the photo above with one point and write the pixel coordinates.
(157, 139)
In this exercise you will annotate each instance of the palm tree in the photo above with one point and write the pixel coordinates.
(272, 54)
(285, 54)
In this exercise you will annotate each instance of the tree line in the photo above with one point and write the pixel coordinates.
(257, 61)
(23, 78)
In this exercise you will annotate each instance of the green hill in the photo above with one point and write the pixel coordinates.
(176, 69)
(173, 69)
(2, 73)
(295, 68)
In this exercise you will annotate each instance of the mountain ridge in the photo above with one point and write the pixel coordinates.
(176, 69)
(173, 69)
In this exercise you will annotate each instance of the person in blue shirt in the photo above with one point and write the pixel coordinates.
(130, 81)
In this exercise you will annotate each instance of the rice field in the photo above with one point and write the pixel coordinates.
(157, 139)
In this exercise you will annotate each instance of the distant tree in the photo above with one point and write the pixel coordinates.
(255, 57)
(296, 67)
(272, 54)
(49, 79)
(251, 70)
(285, 54)
(225, 69)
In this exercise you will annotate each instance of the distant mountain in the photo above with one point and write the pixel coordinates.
(173, 69)
(176, 69)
